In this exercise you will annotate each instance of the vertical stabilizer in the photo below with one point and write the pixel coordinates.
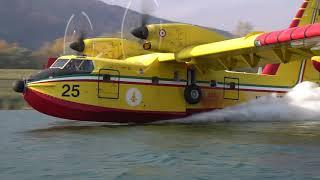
(308, 14)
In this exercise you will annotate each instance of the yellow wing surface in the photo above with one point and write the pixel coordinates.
(300, 42)
(255, 49)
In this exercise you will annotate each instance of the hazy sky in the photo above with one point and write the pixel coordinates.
(224, 14)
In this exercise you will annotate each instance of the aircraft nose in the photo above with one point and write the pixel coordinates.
(18, 86)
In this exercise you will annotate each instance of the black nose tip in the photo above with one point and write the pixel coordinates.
(19, 86)
(141, 32)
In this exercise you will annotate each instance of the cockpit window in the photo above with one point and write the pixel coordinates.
(59, 63)
(74, 65)
(79, 65)
(86, 66)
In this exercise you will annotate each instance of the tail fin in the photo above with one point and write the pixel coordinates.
(307, 14)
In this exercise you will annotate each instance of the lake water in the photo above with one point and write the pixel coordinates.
(35, 146)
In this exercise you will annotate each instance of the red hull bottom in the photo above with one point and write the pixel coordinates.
(81, 112)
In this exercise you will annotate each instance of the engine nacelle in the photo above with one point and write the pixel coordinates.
(112, 48)
(174, 37)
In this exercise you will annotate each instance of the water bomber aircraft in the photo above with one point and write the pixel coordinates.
(174, 70)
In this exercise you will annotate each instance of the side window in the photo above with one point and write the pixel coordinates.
(81, 66)
(71, 66)
(86, 66)
(77, 63)
(59, 63)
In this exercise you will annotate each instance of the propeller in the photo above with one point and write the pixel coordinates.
(79, 45)
(137, 25)
(77, 30)
(147, 8)
(141, 32)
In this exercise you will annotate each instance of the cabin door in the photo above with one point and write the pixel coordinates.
(108, 84)
(231, 88)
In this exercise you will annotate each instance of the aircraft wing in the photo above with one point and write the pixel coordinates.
(256, 49)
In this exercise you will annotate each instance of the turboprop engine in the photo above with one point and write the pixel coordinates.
(174, 37)
(111, 48)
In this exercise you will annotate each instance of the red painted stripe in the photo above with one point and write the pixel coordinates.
(273, 37)
(271, 69)
(290, 34)
(50, 61)
(73, 80)
(285, 35)
(313, 30)
(316, 65)
(250, 90)
(300, 13)
(305, 4)
(120, 82)
(262, 39)
(203, 87)
(299, 33)
(294, 23)
(150, 84)
(267, 91)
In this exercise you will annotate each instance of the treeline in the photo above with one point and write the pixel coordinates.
(12, 103)
(12, 56)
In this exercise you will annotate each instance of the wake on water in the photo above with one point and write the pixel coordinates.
(302, 103)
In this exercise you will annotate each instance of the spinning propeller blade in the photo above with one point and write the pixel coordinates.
(134, 26)
(77, 30)
(79, 45)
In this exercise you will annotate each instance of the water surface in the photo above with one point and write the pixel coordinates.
(35, 146)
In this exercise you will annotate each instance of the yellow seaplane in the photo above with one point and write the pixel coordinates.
(174, 71)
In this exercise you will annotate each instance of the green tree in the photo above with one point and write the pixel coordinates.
(14, 57)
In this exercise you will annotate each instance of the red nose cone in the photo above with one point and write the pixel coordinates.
(316, 65)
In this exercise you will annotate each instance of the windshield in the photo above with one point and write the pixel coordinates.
(59, 63)
(74, 65)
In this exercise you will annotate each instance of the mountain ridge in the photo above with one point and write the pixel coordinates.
(31, 23)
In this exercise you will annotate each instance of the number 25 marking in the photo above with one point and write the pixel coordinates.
(74, 91)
